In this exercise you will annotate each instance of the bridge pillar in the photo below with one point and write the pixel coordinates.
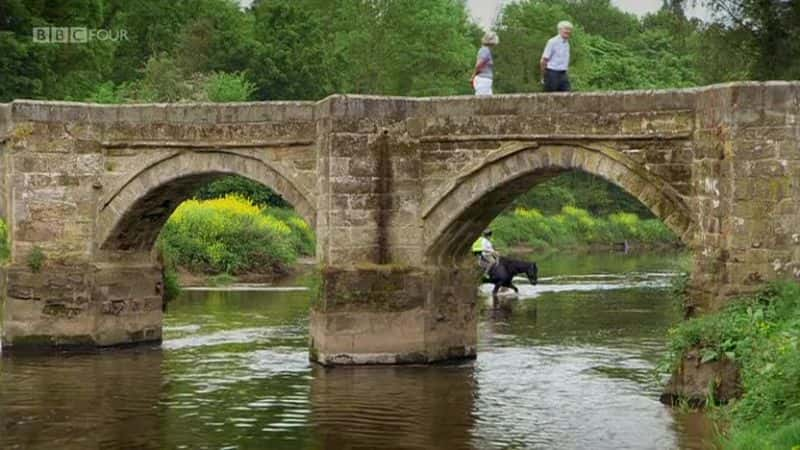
(379, 301)
(85, 305)
(394, 315)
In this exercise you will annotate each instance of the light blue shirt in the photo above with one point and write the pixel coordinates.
(485, 55)
(557, 53)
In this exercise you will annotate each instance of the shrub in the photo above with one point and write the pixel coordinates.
(301, 236)
(5, 249)
(575, 226)
(232, 235)
(172, 286)
(762, 333)
(228, 87)
(36, 259)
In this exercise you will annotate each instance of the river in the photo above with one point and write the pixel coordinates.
(571, 367)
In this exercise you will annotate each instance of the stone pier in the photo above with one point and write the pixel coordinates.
(396, 189)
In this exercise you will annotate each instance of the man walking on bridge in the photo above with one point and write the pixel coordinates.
(555, 60)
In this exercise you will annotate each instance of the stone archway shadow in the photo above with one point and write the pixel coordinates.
(131, 216)
(456, 213)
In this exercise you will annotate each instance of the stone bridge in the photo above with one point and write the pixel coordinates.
(396, 188)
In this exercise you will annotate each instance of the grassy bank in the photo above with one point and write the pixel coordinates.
(233, 236)
(575, 228)
(762, 334)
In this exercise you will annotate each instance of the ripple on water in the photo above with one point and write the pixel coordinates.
(569, 370)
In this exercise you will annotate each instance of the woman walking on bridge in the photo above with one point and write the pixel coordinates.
(484, 66)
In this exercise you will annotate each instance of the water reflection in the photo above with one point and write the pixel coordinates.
(566, 367)
(574, 370)
(393, 407)
(96, 400)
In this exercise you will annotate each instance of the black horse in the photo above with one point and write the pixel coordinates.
(502, 273)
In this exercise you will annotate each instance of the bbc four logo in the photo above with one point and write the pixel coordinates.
(76, 35)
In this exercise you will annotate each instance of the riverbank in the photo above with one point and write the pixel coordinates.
(189, 279)
(760, 334)
(576, 230)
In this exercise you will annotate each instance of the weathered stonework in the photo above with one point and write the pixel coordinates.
(396, 189)
(394, 315)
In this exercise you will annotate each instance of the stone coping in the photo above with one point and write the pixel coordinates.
(388, 107)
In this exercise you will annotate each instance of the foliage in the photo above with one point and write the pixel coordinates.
(225, 87)
(574, 227)
(301, 237)
(36, 259)
(5, 249)
(609, 49)
(169, 271)
(762, 334)
(245, 187)
(767, 29)
(307, 49)
(221, 279)
(172, 286)
(583, 190)
(231, 235)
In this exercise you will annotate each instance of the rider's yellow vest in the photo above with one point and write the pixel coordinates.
(477, 247)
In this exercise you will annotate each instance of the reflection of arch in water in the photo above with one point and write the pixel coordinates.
(394, 407)
(91, 400)
(479, 193)
(131, 217)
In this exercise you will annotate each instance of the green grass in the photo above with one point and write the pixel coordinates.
(761, 333)
(574, 227)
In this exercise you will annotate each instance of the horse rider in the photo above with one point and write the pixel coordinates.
(484, 250)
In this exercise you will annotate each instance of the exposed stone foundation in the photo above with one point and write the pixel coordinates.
(81, 306)
(696, 382)
(389, 315)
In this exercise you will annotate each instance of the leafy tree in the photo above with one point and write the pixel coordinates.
(601, 18)
(243, 187)
(153, 27)
(770, 27)
(219, 37)
(523, 30)
(50, 70)
(290, 61)
(583, 191)
(609, 49)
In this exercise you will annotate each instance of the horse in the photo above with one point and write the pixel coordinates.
(502, 273)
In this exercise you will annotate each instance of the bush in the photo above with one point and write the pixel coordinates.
(36, 259)
(228, 87)
(301, 236)
(575, 226)
(229, 235)
(5, 249)
(762, 334)
(172, 286)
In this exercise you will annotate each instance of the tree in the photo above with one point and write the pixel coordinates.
(50, 70)
(524, 29)
(769, 27)
(290, 61)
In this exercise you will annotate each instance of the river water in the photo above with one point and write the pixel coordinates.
(572, 366)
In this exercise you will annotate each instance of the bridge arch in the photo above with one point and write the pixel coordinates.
(132, 214)
(458, 211)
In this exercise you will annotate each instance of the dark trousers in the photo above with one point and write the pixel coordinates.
(556, 81)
